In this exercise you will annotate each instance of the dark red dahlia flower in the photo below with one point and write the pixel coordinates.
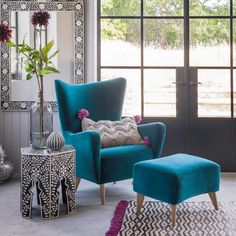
(5, 33)
(40, 18)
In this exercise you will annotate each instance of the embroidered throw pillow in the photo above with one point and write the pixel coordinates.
(114, 133)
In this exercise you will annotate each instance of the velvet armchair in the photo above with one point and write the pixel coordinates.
(104, 101)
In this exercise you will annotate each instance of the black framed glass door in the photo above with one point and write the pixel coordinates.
(179, 61)
(211, 128)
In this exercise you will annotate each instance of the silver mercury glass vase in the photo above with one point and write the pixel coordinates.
(6, 167)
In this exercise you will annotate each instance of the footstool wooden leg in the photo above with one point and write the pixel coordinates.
(213, 200)
(140, 199)
(173, 210)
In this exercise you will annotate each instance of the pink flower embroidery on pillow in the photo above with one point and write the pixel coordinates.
(147, 141)
(138, 119)
(82, 114)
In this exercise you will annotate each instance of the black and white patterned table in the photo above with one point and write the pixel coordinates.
(47, 171)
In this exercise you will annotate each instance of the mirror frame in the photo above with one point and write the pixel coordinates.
(6, 7)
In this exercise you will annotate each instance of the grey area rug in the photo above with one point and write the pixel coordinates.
(193, 219)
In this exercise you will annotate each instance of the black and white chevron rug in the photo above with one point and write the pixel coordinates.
(193, 219)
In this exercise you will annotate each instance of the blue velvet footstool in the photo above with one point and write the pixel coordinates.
(175, 178)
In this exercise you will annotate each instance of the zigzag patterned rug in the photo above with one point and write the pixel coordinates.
(193, 219)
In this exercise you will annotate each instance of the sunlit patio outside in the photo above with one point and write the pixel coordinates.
(159, 84)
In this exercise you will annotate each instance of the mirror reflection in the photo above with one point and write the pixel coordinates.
(60, 28)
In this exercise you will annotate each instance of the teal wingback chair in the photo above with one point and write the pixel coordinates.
(104, 101)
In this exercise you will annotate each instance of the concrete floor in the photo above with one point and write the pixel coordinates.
(91, 219)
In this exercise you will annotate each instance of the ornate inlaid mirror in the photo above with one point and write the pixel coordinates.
(66, 27)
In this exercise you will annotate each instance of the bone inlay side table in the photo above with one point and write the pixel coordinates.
(47, 171)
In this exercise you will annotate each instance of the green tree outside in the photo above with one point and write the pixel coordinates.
(166, 33)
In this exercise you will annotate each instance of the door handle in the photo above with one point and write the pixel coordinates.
(195, 83)
(179, 83)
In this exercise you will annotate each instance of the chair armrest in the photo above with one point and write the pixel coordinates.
(156, 132)
(87, 145)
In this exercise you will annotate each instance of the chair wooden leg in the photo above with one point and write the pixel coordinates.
(173, 210)
(140, 199)
(213, 200)
(77, 182)
(102, 193)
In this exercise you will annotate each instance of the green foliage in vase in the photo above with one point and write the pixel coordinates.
(36, 62)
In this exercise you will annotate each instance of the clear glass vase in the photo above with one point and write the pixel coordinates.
(41, 123)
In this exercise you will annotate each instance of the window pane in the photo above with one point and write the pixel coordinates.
(214, 93)
(234, 38)
(234, 7)
(120, 43)
(120, 7)
(209, 42)
(209, 7)
(164, 8)
(163, 40)
(159, 93)
(132, 105)
(234, 93)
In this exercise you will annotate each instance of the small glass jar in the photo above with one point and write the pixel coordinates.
(41, 122)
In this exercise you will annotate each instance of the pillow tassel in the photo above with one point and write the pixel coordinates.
(82, 114)
(138, 119)
(147, 141)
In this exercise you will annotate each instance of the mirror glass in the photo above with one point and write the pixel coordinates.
(61, 30)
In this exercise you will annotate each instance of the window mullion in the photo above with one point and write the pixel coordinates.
(99, 40)
(231, 58)
(142, 59)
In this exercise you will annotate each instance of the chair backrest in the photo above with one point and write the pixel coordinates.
(104, 101)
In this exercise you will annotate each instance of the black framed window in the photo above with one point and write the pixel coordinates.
(148, 42)
(211, 53)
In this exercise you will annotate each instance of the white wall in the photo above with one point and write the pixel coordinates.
(14, 126)
(91, 40)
